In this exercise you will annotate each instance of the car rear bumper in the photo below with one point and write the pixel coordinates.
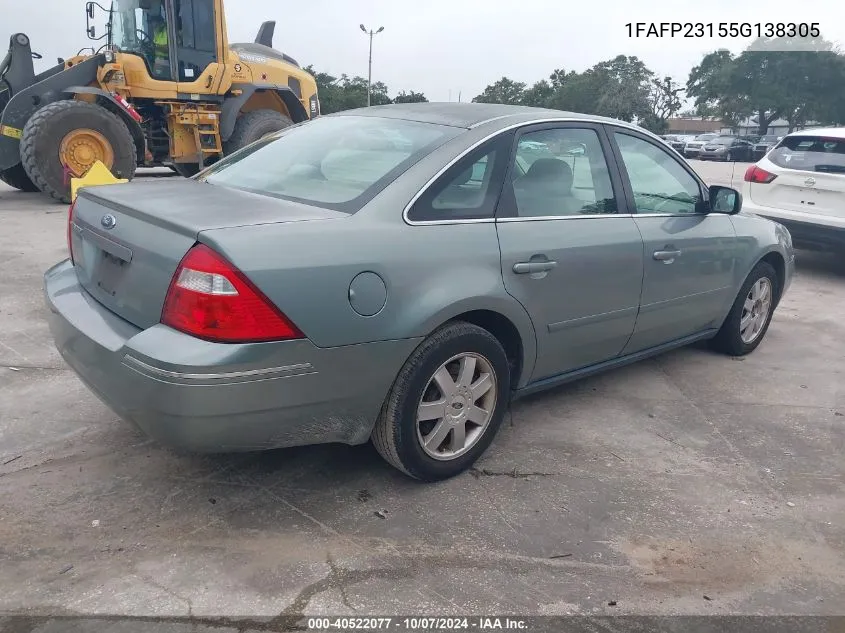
(713, 155)
(807, 230)
(210, 397)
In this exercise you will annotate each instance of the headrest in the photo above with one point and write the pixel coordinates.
(548, 169)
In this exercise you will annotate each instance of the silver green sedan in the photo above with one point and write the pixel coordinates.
(398, 275)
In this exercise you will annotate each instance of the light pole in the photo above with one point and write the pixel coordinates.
(370, 73)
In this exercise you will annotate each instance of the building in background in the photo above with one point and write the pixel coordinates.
(693, 126)
(778, 127)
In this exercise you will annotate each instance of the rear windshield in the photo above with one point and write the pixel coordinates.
(705, 137)
(338, 162)
(810, 153)
(768, 139)
(722, 140)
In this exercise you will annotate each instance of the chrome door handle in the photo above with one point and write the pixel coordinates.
(667, 257)
(529, 268)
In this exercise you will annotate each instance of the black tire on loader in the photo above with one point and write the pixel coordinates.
(16, 177)
(45, 131)
(252, 126)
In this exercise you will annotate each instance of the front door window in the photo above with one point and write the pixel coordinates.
(659, 183)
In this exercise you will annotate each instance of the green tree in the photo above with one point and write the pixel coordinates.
(539, 95)
(664, 101)
(505, 91)
(626, 83)
(410, 97)
(797, 79)
(345, 93)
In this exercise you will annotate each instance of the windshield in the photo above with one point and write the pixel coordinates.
(810, 153)
(768, 139)
(722, 140)
(133, 28)
(338, 162)
(705, 137)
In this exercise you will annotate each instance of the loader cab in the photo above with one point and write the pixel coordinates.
(178, 39)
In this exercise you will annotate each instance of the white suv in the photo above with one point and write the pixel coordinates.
(800, 183)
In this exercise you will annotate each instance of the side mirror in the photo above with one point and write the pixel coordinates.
(725, 200)
(92, 32)
(89, 9)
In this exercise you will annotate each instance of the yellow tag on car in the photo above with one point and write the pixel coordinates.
(13, 132)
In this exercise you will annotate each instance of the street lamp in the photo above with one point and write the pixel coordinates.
(370, 73)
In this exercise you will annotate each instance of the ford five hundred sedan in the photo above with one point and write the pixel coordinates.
(398, 275)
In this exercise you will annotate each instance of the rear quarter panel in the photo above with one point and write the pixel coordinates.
(431, 274)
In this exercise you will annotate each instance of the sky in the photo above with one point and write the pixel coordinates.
(447, 48)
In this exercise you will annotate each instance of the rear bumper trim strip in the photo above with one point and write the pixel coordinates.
(300, 368)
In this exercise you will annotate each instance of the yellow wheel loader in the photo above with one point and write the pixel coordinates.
(165, 89)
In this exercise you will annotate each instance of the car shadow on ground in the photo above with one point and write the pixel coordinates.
(825, 264)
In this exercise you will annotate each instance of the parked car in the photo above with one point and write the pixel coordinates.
(726, 148)
(693, 147)
(763, 145)
(321, 287)
(676, 142)
(801, 184)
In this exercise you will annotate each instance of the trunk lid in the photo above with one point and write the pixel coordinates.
(128, 239)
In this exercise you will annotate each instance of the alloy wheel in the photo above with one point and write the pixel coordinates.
(457, 406)
(755, 311)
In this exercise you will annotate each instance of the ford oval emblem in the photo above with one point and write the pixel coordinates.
(108, 221)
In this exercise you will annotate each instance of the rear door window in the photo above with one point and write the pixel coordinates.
(810, 153)
(558, 172)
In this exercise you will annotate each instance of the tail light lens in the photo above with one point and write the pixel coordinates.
(211, 299)
(758, 175)
(70, 230)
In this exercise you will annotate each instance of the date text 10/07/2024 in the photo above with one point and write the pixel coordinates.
(416, 623)
(723, 29)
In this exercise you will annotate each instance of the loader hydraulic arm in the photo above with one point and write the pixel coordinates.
(17, 69)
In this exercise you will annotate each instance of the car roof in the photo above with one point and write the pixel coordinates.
(469, 115)
(835, 132)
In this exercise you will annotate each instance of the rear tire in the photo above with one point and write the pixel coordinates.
(252, 126)
(733, 338)
(16, 177)
(45, 131)
(408, 442)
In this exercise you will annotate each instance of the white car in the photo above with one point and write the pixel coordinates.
(800, 183)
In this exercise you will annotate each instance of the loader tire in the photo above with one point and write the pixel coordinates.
(16, 177)
(252, 126)
(101, 134)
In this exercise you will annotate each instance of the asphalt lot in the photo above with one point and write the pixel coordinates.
(685, 476)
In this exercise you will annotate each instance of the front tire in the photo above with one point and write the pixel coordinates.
(74, 134)
(252, 126)
(446, 404)
(750, 316)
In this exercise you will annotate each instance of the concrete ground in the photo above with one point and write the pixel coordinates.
(688, 484)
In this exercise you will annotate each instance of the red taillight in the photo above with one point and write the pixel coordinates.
(70, 230)
(758, 175)
(211, 299)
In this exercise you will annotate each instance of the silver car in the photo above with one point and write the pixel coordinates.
(400, 274)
